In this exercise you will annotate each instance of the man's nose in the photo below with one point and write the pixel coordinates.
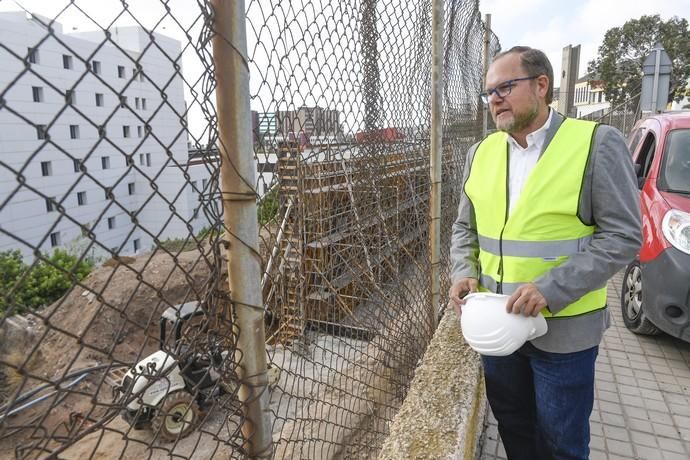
(494, 96)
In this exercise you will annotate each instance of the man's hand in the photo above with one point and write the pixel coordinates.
(460, 289)
(526, 300)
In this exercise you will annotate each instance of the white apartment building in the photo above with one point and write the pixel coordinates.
(95, 131)
(590, 96)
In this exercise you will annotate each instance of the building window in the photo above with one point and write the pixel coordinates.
(148, 159)
(33, 55)
(37, 93)
(141, 75)
(70, 97)
(130, 188)
(66, 61)
(105, 162)
(143, 103)
(96, 67)
(121, 71)
(111, 223)
(123, 102)
(81, 198)
(55, 239)
(125, 131)
(137, 244)
(74, 131)
(136, 103)
(77, 164)
(50, 204)
(41, 131)
(204, 183)
(46, 168)
(99, 99)
(142, 159)
(140, 131)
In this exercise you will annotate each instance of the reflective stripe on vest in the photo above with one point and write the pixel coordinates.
(544, 229)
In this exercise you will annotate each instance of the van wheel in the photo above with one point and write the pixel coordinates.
(177, 417)
(631, 302)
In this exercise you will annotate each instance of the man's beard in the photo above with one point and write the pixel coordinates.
(520, 121)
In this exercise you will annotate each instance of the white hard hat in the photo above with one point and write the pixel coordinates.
(492, 331)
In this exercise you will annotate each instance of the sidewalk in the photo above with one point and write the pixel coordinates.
(642, 396)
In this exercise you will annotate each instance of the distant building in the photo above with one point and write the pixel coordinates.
(102, 145)
(590, 96)
(310, 121)
(556, 95)
(569, 65)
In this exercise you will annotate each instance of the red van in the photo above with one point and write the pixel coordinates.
(656, 287)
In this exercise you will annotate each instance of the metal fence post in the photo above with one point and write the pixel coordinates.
(487, 45)
(237, 175)
(436, 153)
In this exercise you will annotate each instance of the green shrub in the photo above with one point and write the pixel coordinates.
(39, 284)
(268, 207)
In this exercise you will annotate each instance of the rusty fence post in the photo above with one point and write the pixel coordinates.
(237, 176)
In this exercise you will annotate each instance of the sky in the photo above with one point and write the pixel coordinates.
(551, 25)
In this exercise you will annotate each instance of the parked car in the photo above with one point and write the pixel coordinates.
(656, 287)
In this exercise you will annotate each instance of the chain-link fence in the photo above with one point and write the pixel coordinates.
(623, 116)
(119, 334)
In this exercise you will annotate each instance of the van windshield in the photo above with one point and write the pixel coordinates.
(675, 174)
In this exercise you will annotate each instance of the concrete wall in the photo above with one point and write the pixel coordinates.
(443, 414)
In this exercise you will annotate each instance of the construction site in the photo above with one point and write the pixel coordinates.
(288, 314)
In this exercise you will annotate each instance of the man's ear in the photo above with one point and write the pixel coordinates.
(543, 85)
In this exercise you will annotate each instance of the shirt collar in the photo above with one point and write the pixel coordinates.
(536, 137)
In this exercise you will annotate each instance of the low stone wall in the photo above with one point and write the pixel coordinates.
(443, 414)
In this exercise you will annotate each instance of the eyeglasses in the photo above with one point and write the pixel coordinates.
(503, 89)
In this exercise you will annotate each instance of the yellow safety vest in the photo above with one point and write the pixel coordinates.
(544, 228)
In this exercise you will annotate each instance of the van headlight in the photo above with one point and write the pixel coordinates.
(676, 228)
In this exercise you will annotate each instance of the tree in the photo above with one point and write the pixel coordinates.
(40, 284)
(620, 58)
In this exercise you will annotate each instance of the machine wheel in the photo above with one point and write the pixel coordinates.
(631, 302)
(178, 416)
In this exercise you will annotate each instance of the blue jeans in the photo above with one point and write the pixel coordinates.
(542, 402)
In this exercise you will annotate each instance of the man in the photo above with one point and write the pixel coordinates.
(548, 213)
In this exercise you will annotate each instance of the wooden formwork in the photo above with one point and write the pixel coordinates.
(355, 222)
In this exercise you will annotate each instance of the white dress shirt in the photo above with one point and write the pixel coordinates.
(523, 160)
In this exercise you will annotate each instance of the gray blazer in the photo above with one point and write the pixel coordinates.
(610, 201)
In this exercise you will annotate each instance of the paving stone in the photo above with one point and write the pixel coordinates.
(673, 445)
(597, 455)
(636, 412)
(660, 417)
(648, 453)
(644, 439)
(629, 390)
(674, 456)
(618, 447)
(611, 407)
(654, 405)
(681, 421)
(625, 371)
(617, 433)
(647, 393)
(612, 419)
(651, 384)
(609, 396)
(597, 442)
(666, 430)
(632, 401)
